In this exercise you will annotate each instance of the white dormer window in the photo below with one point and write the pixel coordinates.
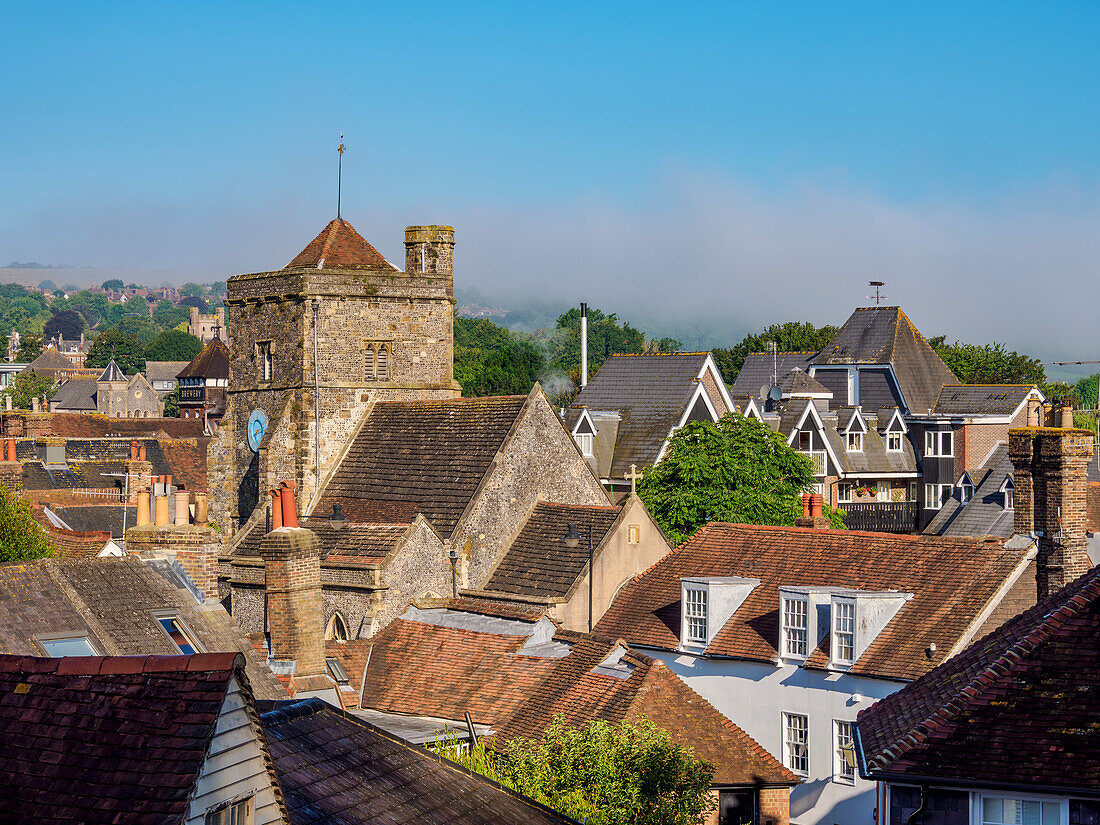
(1008, 490)
(855, 442)
(584, 441)
(893, 442)
(966, 490)
(844, 631)
(795, 627)
(695, 616)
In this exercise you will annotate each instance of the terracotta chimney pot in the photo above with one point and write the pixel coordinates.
(290, 510)
(276, 510)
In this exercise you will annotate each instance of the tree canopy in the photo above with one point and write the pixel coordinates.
(192, 290)
(790, 336)
(173, 345)
(21, 537)
(194, 301)
(735, 469)
(69, 323)
(128, 351)
(490, 360)
(606, 336)
(27, 386)
(990, 364)
(112, 285)
(30, 347)
(167, 315)
(629, 773)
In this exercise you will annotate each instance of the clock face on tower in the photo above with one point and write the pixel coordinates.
(257, 426)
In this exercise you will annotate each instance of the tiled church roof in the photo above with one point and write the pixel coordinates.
(339, 246)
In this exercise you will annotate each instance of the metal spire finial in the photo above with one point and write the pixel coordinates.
(878, 297)
(340, 174)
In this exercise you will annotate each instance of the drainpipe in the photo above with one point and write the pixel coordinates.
(918, 815)
(584, 344)
(316, 401)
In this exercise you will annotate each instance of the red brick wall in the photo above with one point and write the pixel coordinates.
(775, 806)
(292, 566)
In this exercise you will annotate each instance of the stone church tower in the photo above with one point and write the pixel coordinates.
(314, 345)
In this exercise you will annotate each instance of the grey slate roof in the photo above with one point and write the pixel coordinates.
(49, 363)
(981, 399)
(107, 517)
(985, 513)
(797, 382)
(757, 370)
(163, 370)
(75, 395)
(650, 392)
(112, 373)
(884, 335)
(336, 768)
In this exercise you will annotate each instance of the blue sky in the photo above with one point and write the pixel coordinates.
(764, 158)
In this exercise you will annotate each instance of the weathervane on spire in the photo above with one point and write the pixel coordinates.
(878, 297)
(340, 173)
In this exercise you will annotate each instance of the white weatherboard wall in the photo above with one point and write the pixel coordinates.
(756, 695)
(234, 767)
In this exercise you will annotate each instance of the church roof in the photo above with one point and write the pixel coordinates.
(212, 362)
(339, 246)
(112, 373)
(50, 360)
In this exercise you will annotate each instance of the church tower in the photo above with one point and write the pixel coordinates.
(315, 344)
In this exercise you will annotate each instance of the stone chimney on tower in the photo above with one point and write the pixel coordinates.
(1050, 499)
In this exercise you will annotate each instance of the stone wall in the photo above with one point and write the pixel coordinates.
(418, 567)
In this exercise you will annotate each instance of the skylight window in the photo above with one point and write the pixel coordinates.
(74, 645)
(179, 634)
(336, 671)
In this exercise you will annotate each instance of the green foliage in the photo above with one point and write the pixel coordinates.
(127, 350)
(47, 285)
(606, 336)
(27, 386)
(137, 327)
(490, 360)
(137, 305)
(69, 323)
(167, 315)
(218, 289)
(735, 469)
(192, 290)
(1088, 392)
(172, 345)
(172, 404)
(629, 773)
(791, 336)
(30, 347)
(112, 285)
(989, 364)
(21, 537)
(194, 301)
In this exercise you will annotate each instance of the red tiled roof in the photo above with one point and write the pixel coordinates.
(951, 579)
(108, 739)
(93, 425)
(1020, 707)
(339, 246)
(211, 362)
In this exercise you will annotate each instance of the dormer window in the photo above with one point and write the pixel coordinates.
(695, 616)
(795, 627)
(893, 442)
(855, 442)
(844, 631)
(1008, 490)
(584, 442)
(706, 604)
(966, 490)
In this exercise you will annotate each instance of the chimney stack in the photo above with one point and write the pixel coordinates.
(1050, 491)
(292, 568)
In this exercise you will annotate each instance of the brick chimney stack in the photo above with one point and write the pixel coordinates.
(1050, 499)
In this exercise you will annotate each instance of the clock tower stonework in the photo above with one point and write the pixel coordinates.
(314, 345)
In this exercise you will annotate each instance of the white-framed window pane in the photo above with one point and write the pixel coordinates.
(795, 627)
(1007, 811)
(179, 635)
(695, 612)
(947, 443)
(584, 441)
(71, 646)
(893, 442)
(846, 491)
(930, 502)
(844, 636)
(795, 742)
(929, 443)
(842, 744)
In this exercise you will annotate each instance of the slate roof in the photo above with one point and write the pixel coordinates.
(874, 457)
(114, 740)
(362, 543)
(334, 768)
(441, 663)
(951, 580)
(650, 392)
(538, 562)
(75, 394)
(985, 513)
(1018, 708)
(425, 457)
(981, 399)
(109, 601)
(106, 517)
(885, 335)
(760, 367)
(164, 370)
(49, 363)
(112, 373)
(797, 382)
(339, 246)
(211, 362)
(93, 463)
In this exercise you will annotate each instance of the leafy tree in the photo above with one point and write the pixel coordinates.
(137, 327)
(59, 293)
(172, 345)
(67, 322)
(192, 290)
(30, 347)
(606, 336)
(490, 360)
(21, 537)
(218, 289)
(193, 301)
(127, 350)
(112, 285)
(47, 285)
(138, 306)
(26, 386)
(735, 469)
(629, 773)
(172, 404)
(790, 336)
(989, 364)
(1087, 391)
(167, 315)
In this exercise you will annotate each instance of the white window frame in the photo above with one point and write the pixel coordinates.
(966, 492)
(584, 443)
(843, 611)
(841, 772)
(936, 495)
(236, 812)
(791, 639)
(185, 631)
(796, 742)
(695, 615)
(44, 640)
(893, 442)
(979, 799)
(935, 441)
(854, 442)
(845, 492)
(1008, 491)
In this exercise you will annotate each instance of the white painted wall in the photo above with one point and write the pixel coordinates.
(755, 696)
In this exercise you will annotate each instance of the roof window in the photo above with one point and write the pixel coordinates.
(56, 646)
(850, 619)
(177, 631)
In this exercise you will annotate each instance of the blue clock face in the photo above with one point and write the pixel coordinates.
(257, 426)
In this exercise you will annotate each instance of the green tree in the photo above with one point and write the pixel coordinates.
(47, 285)
(196, 302)
(1087, 391)
(218, 289)
(628, 773)
(138, 306)
(30, 347)
(192, 290)
(172, 404)
(735, 469)
(790, 336)
(137, 327)
(172, 345)
(27, 386)
(21, 537)
(68, 323)
(491, 360)
(112, 285)
(128, 351)
(167, 315)
(989, 364)
(606, 336)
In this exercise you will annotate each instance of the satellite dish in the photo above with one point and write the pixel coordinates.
(775, 393)
(763, 390)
